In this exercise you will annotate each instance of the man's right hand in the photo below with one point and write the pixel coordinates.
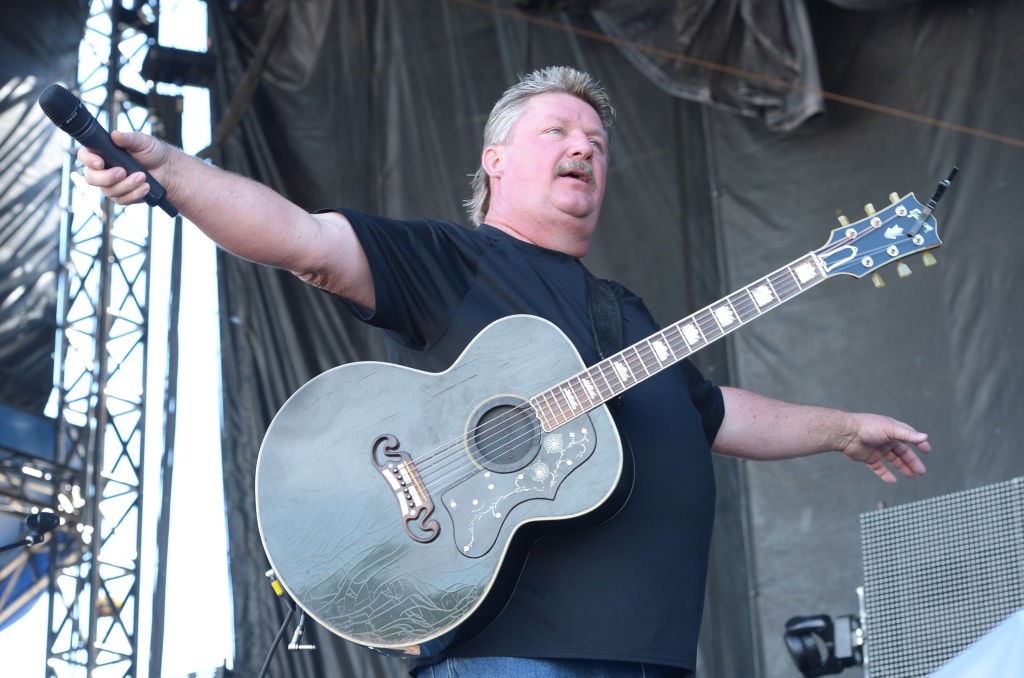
(115, 182)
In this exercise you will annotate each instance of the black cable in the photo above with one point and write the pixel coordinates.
(278, 638)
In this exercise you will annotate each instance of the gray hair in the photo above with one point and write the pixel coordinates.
(553, 79)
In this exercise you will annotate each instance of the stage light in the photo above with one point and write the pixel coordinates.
(178, 66)
(820, 647)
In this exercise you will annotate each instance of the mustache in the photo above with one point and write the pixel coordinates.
(576, 166)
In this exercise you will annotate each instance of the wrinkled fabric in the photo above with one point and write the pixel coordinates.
(749, 57)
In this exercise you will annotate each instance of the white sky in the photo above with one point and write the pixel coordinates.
(197, 625)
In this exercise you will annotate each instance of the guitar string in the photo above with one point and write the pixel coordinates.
(741, 301)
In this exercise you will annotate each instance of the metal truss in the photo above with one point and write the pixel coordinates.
(103, 307)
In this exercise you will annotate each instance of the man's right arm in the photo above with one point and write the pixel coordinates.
(242, 216)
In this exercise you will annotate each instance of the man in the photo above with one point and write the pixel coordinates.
(619, 599)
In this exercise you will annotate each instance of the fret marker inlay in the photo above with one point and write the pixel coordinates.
(589, 387)
(660, 350)
(623, 371)
(691, 334)
(762, 295)
(725, 316)
(805, 272)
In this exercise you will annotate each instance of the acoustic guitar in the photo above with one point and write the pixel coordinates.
(389, 500)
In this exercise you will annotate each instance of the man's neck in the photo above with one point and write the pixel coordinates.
(570, 239)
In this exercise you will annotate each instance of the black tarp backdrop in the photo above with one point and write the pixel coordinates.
(379, 106)
(36, 48)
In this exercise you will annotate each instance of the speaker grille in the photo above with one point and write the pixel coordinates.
(939, 574)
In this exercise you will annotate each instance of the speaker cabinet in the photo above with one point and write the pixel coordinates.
(939, 574)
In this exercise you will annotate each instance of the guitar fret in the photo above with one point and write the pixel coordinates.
(641, 359)
(792, 277)
(663, 349)
(763, 294)
(555, 407)
(746, 309)
(786, 283)
(620, 368)
(564, 408)
(590, 390)
(609, 390)
(560, 416)
(805, 272)
(680, 346)
(692, 334)
(571, 399)
(543, 410)
(652, 355)
(709, 327)
(724, 314)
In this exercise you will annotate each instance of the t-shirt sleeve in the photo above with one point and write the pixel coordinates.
(418, 275)
(707, 398)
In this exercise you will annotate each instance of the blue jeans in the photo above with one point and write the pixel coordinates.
(519, 667)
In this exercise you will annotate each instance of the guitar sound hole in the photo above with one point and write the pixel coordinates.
(505, 435)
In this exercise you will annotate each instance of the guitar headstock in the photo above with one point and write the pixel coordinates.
(903, 228)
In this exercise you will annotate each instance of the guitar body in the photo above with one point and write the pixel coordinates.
(388, 498)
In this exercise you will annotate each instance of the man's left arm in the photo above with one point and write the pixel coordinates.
(759, 428)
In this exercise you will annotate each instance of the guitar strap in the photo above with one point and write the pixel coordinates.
(605, 316)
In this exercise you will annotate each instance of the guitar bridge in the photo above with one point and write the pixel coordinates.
(400, 473)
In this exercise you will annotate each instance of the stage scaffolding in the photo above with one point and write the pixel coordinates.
(101, 373)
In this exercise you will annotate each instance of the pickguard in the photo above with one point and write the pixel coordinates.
(480, 505)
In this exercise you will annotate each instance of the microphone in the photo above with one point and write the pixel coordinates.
(67, 112)
(39, 524)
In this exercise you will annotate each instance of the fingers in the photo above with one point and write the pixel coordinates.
(900, 457)
(912, 436)
(115, 182)
(131, 189)
(906, 462)
(882, 471)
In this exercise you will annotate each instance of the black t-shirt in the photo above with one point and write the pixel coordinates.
(632, 588)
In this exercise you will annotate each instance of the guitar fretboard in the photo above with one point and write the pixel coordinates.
(605, 380)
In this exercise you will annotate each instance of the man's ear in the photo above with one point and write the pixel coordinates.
(493, 160)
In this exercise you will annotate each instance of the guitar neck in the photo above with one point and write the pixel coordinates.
(612, 376)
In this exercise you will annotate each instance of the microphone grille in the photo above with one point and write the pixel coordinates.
(58, 103)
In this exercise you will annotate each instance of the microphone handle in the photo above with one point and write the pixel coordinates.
(97, 139)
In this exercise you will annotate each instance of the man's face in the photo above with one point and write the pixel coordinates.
(555, 162)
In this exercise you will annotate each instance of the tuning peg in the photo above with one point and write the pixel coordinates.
(903, 270)
(928, 259)
(869, 209)
(877, 280)
(843, 221)
(894, 198)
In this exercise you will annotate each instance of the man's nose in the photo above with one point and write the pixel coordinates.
(579, 145)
